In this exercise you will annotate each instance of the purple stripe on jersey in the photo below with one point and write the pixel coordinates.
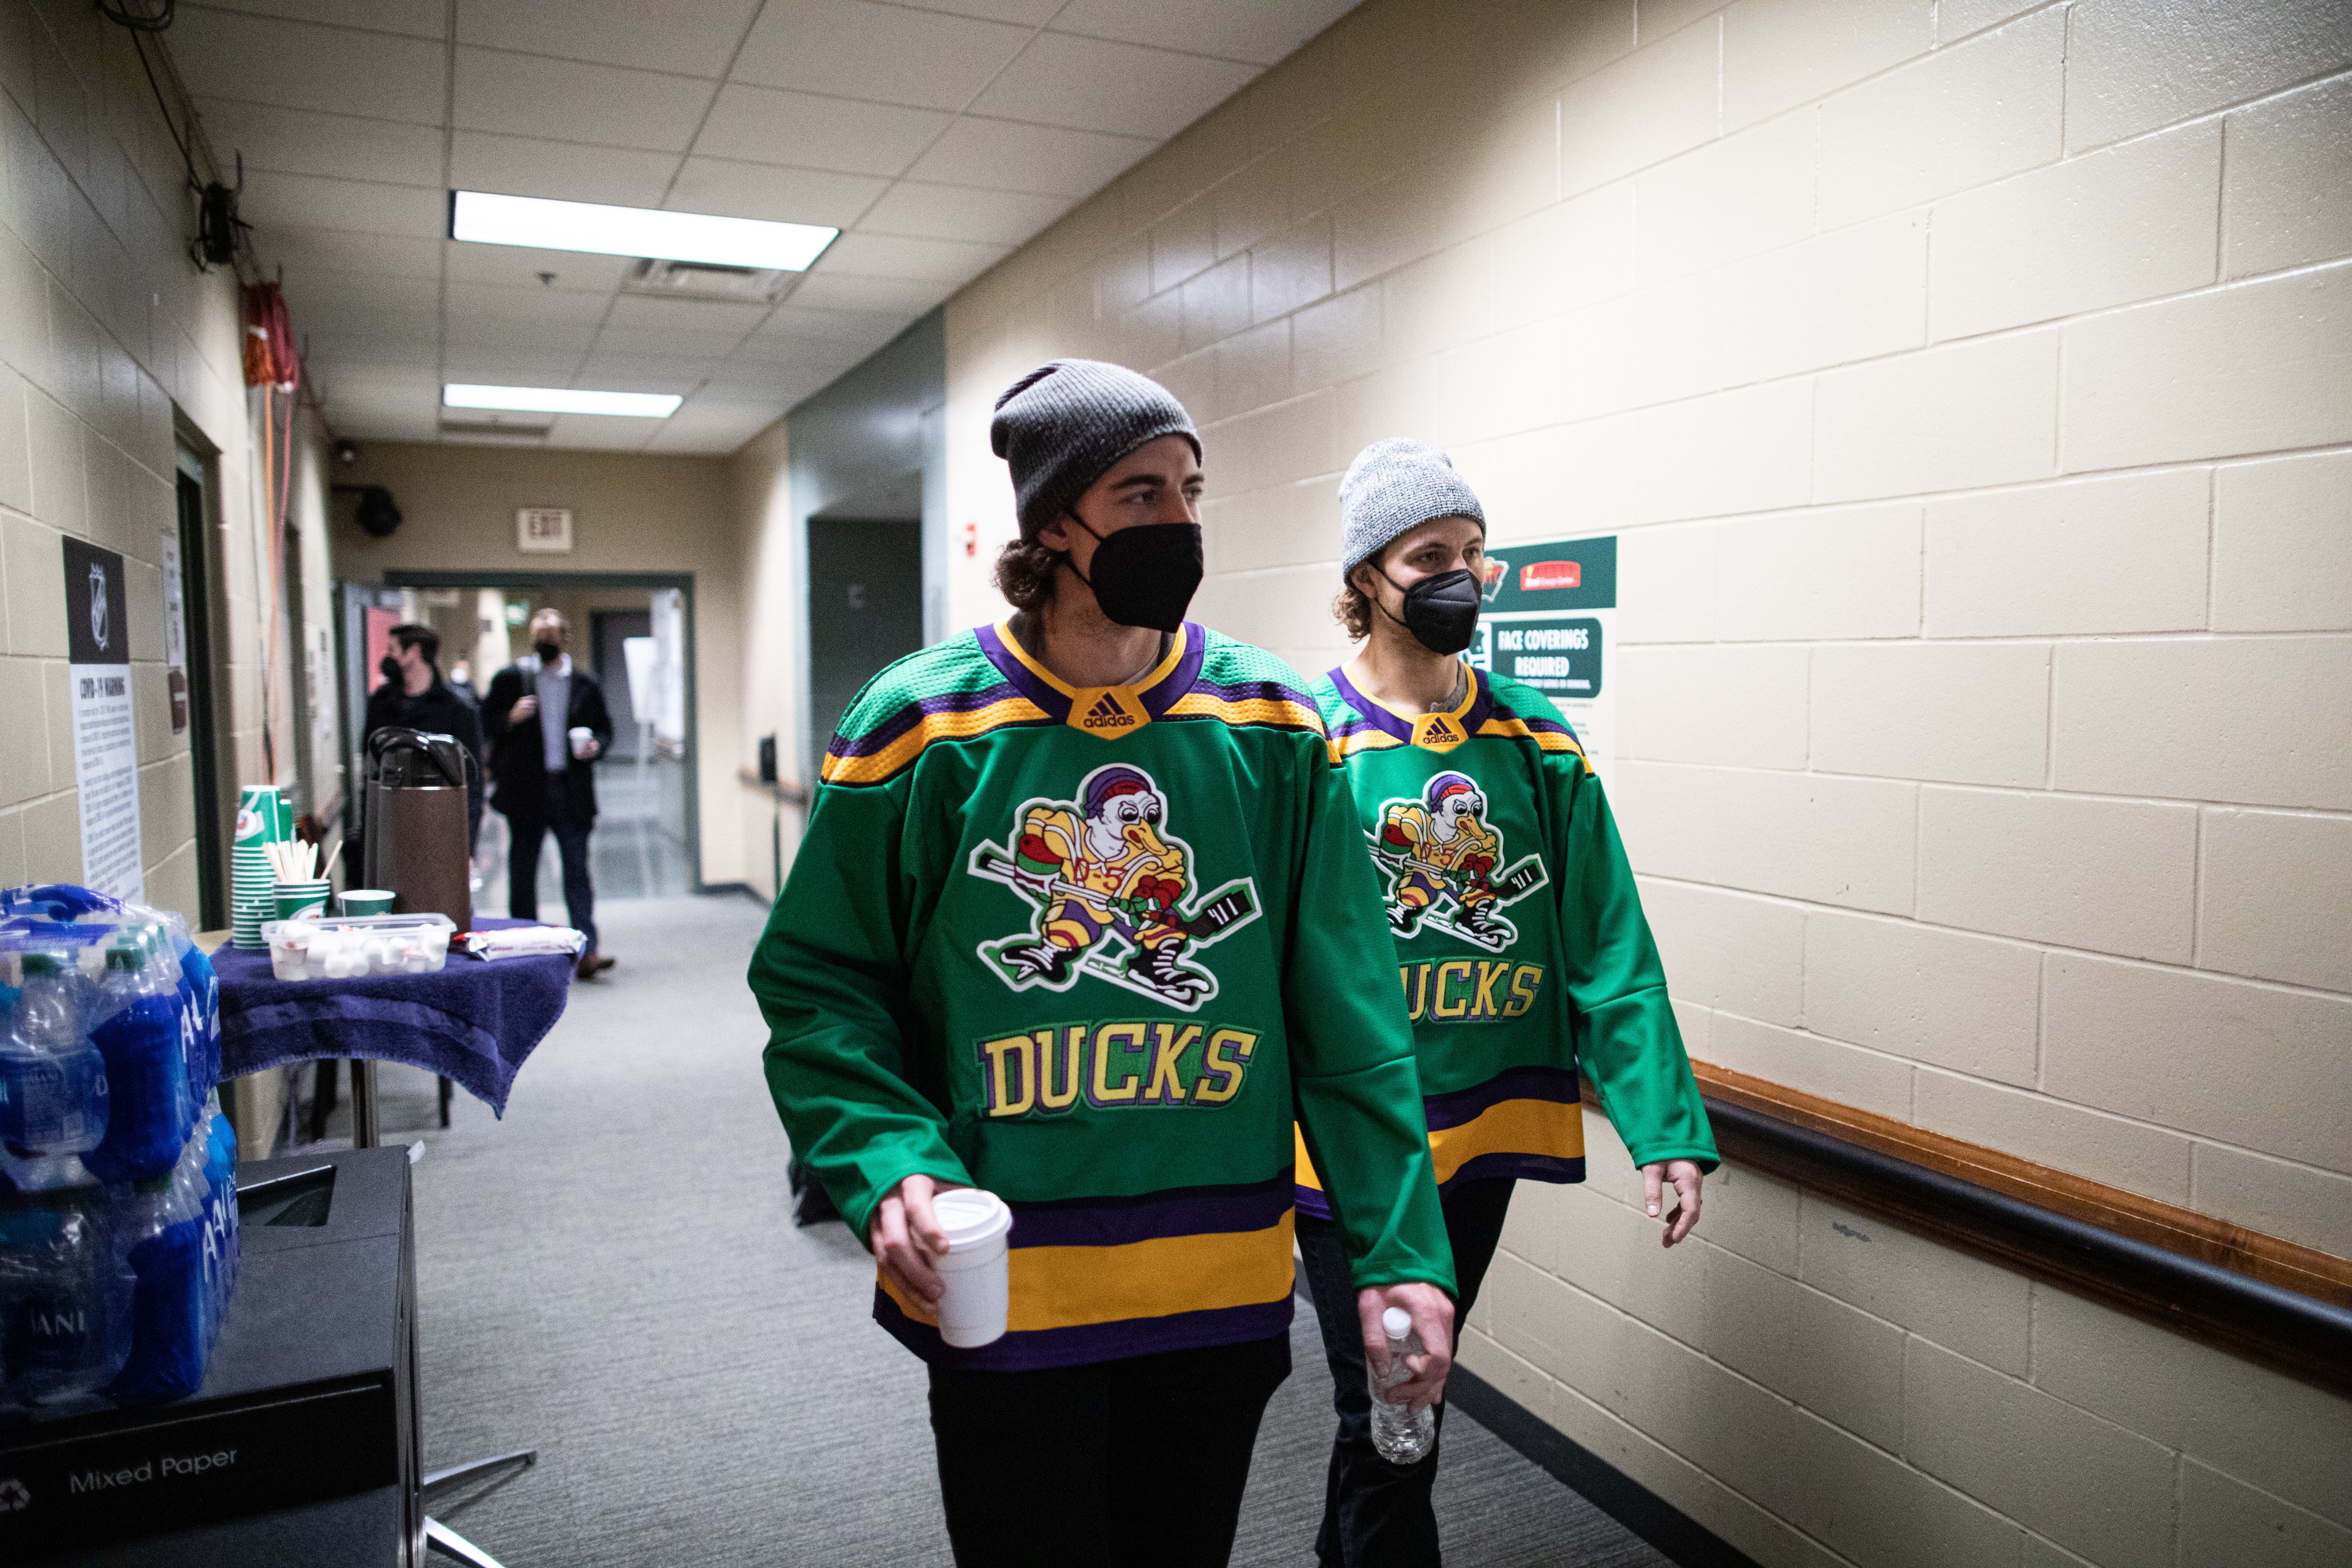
(1255, 691)
(1116, 1221)
(1482, 702)
(1536, 722)
(1310, 1202)
(1372, 713)
(1008, 664)
(1034, 1349)
(913, 714)
(1554, 1083)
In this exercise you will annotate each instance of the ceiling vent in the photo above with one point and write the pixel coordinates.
(709, 280)
(487, 427)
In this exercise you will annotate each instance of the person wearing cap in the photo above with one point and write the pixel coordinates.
(1082, 918)
(1521, 947)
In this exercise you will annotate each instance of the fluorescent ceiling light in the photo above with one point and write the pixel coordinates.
(561, 399)
(635, 231)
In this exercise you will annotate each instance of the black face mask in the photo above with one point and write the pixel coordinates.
(390, 666)
(548, 652)
(1146, 575)
(1441, 611)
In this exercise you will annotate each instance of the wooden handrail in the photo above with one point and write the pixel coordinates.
(2258, 1294)
(783, 790)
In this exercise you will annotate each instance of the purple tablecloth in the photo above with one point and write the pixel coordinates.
(474, 1022)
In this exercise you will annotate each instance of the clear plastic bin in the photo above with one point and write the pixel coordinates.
(345, 948)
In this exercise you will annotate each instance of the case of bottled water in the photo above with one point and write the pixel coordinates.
(118, 1172)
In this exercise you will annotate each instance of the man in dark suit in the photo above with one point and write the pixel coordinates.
(414, 697)
(544, 772)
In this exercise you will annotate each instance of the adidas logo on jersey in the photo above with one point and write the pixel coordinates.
(1107, 715)
(1439, 729)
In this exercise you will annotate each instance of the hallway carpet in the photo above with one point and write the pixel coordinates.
(611, 1276)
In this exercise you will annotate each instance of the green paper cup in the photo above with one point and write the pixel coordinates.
(361, 901)
(297, 899)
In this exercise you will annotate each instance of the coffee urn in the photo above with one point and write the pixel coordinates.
(414, 832)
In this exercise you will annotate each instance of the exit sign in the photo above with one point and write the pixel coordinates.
(545, 528)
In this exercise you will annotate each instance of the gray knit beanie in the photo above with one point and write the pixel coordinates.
(1392, 487)
(1060, 428)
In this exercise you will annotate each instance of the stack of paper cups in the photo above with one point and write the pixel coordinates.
(975, 1271)
(264, 816)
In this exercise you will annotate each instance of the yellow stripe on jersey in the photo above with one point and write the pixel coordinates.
(1069, 1287)
(880, 764)
(1546, 1127)
(1519, 729)
(1199, 704)
(1509, 1127)
(1366, 740)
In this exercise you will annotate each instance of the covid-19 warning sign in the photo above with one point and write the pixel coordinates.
(1551, 622)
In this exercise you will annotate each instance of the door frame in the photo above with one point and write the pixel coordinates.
(651, 581)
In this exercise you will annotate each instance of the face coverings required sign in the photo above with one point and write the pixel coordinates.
(106, 743)
(1550, 622)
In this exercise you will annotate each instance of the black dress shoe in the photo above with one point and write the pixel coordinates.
(592, 964)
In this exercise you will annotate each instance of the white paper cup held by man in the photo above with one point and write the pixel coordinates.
(974, 1270)
(583, 741)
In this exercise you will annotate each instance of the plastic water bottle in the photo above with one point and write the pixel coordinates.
(142, 1031)
(53, 1087)
(163, 1226)
(222, 1241)
(65, 1298)
(200, 995)
(1402, 1436)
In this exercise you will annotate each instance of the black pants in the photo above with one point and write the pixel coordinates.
(1377, 1514)
(530, 830)
(1138, 1462)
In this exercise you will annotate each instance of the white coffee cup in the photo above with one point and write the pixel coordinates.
(582, 737)
(975, 1271)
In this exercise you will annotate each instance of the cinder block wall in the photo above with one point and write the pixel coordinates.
(106, 330)
(1971, 385)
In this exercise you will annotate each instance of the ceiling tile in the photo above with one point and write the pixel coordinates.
(299, 250)
(1004, 155)
(1259, 31)
(698, 317)
(736, 190)
(1024, 13)
(854, 48)
(761, 125)
(799, 325)
(840, 291)
(652, 346)
(947, 261)
(529, 95)
(272, 199)
(418, 18)
(960, 212)
(316, 295)
(645, 372)
(337, 71)
(567, 171)
(600, 433)
(708, 426)
(338, 146)
(1094, 84)
(509, 366)
(531, 302)
(695, 40)
(521, 266)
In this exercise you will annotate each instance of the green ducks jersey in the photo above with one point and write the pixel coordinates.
(1521, 948)
(1092, 950)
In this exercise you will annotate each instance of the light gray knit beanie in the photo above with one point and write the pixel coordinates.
(1063, 425)
(1392, 487)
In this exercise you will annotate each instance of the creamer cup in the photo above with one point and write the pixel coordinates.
(976, 1271)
